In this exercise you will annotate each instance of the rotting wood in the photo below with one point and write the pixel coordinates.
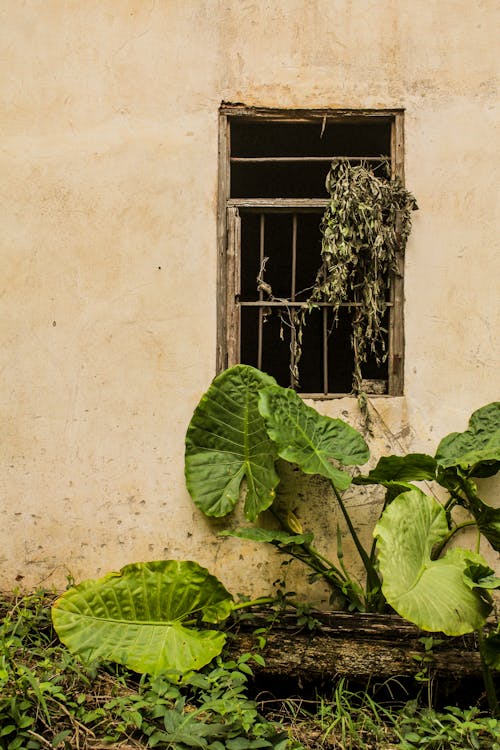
(238, 109)
(360, 646)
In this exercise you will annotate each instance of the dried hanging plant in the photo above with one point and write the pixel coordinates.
(363, 229)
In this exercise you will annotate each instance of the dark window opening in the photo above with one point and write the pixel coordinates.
(290, 160)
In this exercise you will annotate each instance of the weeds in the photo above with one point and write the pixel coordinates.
(354, 720)
(348, 720)
(49, 699)
(453, 729)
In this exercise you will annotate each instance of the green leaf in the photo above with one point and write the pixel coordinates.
(308, 439)
(475, 452)
(433, 594)
(279, 538)
(491, 650)
(227, 442)
(413, 467)
(396, 473)
(481, 576)
(488, 520)
(143, 617)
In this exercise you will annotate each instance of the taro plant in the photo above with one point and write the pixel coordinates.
(245, 421)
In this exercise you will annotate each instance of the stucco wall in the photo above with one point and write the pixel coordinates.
(108, 248)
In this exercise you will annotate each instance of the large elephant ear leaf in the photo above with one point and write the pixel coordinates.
(475, 452)
(227, 442)
(143, 617)
(308, 439)
(436, 595)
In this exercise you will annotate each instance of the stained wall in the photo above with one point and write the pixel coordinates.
(108, 249)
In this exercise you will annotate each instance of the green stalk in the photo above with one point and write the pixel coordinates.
(255, 602)
(311, 557)
(372, 578)
(325, 561)
(454, 499)
(322, 564)
(344, 586)
(354, 586)
(489, 684)
(478, 540)
(438, 551)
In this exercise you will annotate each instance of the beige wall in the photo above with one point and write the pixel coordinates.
(108, 248)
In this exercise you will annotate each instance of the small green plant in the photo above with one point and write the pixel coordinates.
(345, 720)
(356, 720)
(452, 729)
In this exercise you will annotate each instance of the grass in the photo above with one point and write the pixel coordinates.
(354, 720)
(49, 699)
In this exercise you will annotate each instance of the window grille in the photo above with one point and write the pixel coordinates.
(273, 166)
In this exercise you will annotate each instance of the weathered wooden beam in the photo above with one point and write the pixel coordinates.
(360, 646)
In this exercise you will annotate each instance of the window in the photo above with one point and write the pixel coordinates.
(272, 195)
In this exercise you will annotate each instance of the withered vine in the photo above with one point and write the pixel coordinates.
(364, 228)
(366, 225)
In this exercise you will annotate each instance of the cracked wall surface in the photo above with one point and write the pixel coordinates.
(108, 252)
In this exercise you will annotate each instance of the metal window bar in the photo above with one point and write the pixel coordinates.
(325, 349)
(261, 295)
(262, 304)
(293, 333)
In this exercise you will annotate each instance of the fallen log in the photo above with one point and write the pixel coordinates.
(363, 646)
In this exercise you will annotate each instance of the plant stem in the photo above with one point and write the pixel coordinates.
(255, 602)
(335, 578)
(454, 499)
(372, 578)
(438, 551)
(321, 563)
(489, 684)
(478, 540)
(329, 564)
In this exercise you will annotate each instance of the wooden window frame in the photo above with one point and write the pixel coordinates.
(228, 313)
